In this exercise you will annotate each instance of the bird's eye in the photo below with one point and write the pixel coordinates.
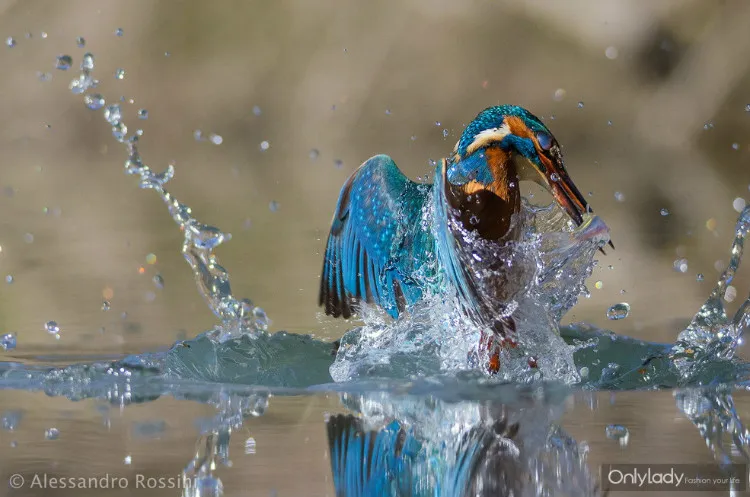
(545, 140)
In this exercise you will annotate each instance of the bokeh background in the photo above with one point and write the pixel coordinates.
(649, 100)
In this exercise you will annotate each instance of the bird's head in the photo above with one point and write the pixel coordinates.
(506, 142)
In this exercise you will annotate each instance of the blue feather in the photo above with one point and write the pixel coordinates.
(377, 241)
(394, 462)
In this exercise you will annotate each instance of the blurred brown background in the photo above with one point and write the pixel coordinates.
(664, 88)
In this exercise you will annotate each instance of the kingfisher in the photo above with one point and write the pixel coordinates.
(393, 241)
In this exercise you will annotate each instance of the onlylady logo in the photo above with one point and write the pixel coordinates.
(673, 477)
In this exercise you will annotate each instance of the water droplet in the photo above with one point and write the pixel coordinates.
(609, 123)
(273, 206)
(215, 139)
(64, 62)
(708, 125)
(250, 446)
(257, 110)
(664, 212)
(739, 204)
(314, 154)
(44, 35)
(120, 73)
(338, 163)
(580, 105)
(387, 112)
(106, 305)
(87, 62)
(559, 94)
(413, 138)
(437, 123)
(94, 101)
(158, 281)
(11, 419)
(119, 32)
(142, 114)
(618, 311)
(680, 265)
(730, 293)
(113, 114)
(473, 220)
(735, 146)
(8, 341)
(264, 145)
(699, 277)
(198, 135)
(599, 285)
(9, 279)
(81, 42)
(747, 107)
(10, 42)
(554, 177)
(619, 433)
(619, 196)
(52, 434)
(52, 327)
(28, 238)
(127, 460)
(445, 133)
(611, 52)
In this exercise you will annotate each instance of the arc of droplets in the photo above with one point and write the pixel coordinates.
(238, 316)
(711, 331)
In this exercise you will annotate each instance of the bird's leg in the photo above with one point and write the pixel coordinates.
(501, 336)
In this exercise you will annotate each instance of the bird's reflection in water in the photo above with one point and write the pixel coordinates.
(426, 447)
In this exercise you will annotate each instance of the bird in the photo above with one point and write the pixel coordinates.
(392, 241)
(396, 461)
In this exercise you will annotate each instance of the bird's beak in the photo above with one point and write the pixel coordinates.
(562, 188)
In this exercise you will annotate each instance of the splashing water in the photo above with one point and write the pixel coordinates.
(712, 335)
(238, 316)
(552, 261)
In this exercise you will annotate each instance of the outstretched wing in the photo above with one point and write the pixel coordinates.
(377, 241)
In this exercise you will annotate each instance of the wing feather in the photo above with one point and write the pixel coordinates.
(376, 236)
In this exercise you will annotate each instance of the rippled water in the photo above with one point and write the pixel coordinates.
(406, 392)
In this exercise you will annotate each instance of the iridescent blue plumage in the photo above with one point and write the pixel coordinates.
(379, 241)
(395, 461)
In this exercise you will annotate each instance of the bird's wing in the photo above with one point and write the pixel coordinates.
(378, 240)
(447, 249)
(362, 461)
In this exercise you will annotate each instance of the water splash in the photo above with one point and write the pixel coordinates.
(238, 316)
(712, 335)
(552, 261)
